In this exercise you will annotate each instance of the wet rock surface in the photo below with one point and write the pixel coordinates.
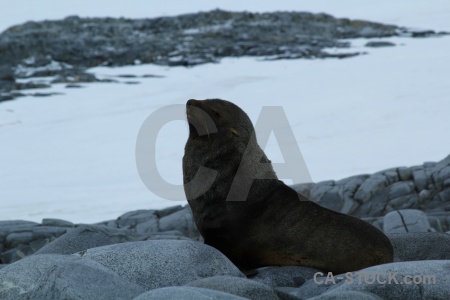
(65, 49)
(159, 254)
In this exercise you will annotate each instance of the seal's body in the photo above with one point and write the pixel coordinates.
(274, 225)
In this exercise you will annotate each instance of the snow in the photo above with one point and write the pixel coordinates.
(72, 156)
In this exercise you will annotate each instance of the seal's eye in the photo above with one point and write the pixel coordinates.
(216, 113)
(234, 132)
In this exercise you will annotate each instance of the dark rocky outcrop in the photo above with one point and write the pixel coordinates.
(425, 188)
(66, 48)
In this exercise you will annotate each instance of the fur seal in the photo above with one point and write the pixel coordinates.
(275, 225)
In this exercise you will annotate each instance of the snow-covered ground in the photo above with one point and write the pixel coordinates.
(72, 156)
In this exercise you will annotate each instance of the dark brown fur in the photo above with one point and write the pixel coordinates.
(275, 225)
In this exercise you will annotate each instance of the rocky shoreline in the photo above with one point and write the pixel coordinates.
(159, 254)
(63, 50)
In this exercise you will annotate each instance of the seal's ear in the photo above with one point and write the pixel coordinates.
(234, 132)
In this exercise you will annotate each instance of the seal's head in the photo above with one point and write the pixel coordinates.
(215, 118)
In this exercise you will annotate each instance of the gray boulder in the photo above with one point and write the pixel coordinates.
(37, 233)
(186, 293)
(19, 239)
(7, 227)
(286, 276)
(406, 220)
(402, 280)
(57, 223)
(182, 221)
(311, 288)
(346, 295)
(132, 218)
(389, 281)
(237, 286)
(63, 277)
(86, 237)
(155, 264)
(377, 44)
(420, 246)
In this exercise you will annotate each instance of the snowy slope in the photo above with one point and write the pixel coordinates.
(72, 156)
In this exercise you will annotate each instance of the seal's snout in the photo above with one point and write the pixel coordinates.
(190, 102)
(190, 114)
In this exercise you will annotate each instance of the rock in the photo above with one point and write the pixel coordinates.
(308, 290)
(436, 223)
(16, 238)
(111, 224)
(186, 40)
(405, 174)
(44, 94)
(346, 295)
(337, 196)
(86, 237)
(401, 188)
(370, 186)
(182, 221)
(388, 281)
(420, 246)
(37, 232)
(350, 185)
(377, 44)
(148, 227)
(283, 294)
(237, 286)
(25, 240)
(6, 96)
(57, 223)
(131, 219)
(391, 175)
(403, 202)
(6, 227)
(332, 199)
(375, 206)
(304, 189)
(73, 86)
(65, 48)
(445, 196)
(126, 76)
(406, 220)
(186, 293)
(420, 179)
(155, 264)
(286, 276)
(376, 222)
(169, 210)
(167, 235)
(16, 253)
(41, 67)
(74, 77)
(6, 74)
(63, 277)
(402, 280)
